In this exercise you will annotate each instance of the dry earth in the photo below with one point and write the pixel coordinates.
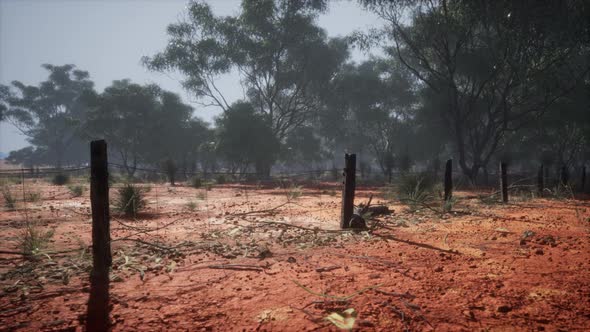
(198, 260)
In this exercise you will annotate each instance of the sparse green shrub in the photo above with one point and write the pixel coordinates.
(60, 179)
(9, 199)
(32, 241)
(196, 182)
(191, 206)
(415, 190)
(448, 204)
(76, 190)
(32, 196)
(130, 200)
(294, 192)
(201, 195)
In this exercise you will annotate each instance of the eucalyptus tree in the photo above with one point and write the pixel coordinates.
(4, 95)
(244, 139)
(496, 65)
(124, 114)
(145, 125)
(282, 56)
(51, 115)
(370, 110)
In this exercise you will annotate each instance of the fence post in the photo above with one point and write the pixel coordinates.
(564, 176)
(449, 180)
(348, 190)
(541, 181)
(504, 181)
(583, 180)
(98, 303)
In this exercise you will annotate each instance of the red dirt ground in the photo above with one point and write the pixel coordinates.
(175, 266)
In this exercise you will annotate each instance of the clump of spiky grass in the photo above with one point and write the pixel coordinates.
(294, 192)
(33, 196)
(415, 190)
(130, 200)
(9, 199)
(191, 206)
(76, 190)
(32, 241)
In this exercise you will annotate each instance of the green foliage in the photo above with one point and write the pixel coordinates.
(294, 192)
(51, 115)
(32, 196)
(76, 190)
(60, 179)
(130, 200)
(245, 138)
(201, 195)
(33, 241)
(285, 57)
(191, 206)
(9, 199)
(415, 190)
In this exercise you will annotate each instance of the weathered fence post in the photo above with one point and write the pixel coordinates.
(348, 190)
(583, 180)
(564, 176)
(449, 180)
(98, 303)
(541, 181)
(504, 181)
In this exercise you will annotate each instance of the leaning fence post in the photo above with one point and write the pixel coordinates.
(541, 181)
(98, 303)
(348, 190)
(504, 182)
(449, 180)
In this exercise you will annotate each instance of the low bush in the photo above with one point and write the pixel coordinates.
(76, 190)
(130, 200)
(32, 241)
(9, 199)
(415, 190)
(60, 179)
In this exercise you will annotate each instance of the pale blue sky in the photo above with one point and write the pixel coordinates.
(107, 38)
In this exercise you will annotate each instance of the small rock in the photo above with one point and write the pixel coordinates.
(438, 269)
(504, 308)
(539, 251)
(291, 259)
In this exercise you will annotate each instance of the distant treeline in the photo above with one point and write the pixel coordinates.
(476, 81)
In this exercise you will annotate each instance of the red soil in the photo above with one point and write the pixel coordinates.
(469, 270)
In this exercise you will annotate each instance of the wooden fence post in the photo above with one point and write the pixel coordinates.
(98, 303)
(449, 180)
(583, 180)
(541, 181)
(504, 181)
(564, 176)
(348, 190)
